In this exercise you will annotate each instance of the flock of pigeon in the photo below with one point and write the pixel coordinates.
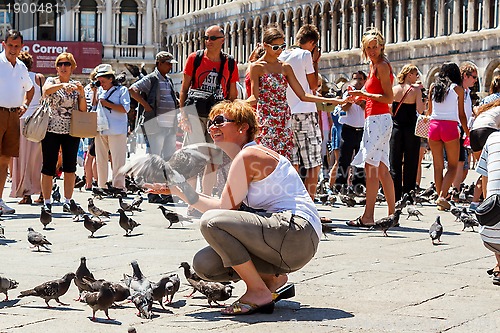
(101, 295)
(429, 195)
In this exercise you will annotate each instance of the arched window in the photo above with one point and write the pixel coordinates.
(7, 17)
(128, 22)
(328, 26)
(88, 24)
(47, 22)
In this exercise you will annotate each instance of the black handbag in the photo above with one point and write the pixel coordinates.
(202, 100)
(488, 212)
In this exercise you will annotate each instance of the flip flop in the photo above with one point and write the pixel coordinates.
(241, 308)
(357, 223)
(284, 292)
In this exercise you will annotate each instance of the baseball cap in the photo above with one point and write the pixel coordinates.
(164, 56)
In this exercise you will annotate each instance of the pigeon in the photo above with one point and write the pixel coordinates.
(120, 292)
(436, 230)
(380, 197)
(325, 228)
(403, 202)
(80, 182)
(96, 211)
(429, 191)
(137, 283)
(126, 207)
(143, 301)
(132, 330)
(101, 300)
(98, 193)
(412, 211)
(172, 216)
(346, 200)
(136, 71)
(131, 185)
(126, 222)
(75, 209)
(159, 290)
(184, 164)
(45, 217)
(82, 272)
(215, 291)
(2, 231)
(388, 222)
(172, 287)
(137, 201)
(37, 239)
(190, 275)
(456, 211)
(92, 225)
(7, 284)
(468, 220)
(56, 195)
(51, 289)
(418, 199)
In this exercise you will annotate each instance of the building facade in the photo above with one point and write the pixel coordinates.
(424, 32)
(127, 29)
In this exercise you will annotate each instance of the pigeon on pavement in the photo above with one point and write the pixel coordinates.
(96, 211)
(126, 207)
(388, 222)
(190, 275)
(172, 216)
(92, 225)
(7, 284)
(51, 289)
(136, 203)
(172, 287)
(436, 230)
(126, 222)
(215, 291)
(137, 283)
(81, 272)
(468, 220)
(56, 195)
(101, 300)
(412, 211)
(143, 301)
(159, 290)
(37, 239)
(45, 217)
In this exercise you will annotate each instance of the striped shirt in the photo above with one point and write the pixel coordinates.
(489, 166)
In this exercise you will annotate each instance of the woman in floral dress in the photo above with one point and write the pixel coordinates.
(269, 79)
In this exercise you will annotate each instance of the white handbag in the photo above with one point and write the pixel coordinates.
(35, 126)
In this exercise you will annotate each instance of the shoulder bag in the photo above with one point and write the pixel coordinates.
(35, 126)
(401, 101)
(488, 212)
(422, 126)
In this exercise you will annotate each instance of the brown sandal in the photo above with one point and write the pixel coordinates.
(26, 200)
(39, 201)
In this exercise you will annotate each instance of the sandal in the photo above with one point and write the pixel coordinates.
(284, 292)
(357, 223)
(39, 201)
(325, 220)
(26, 200)
(241, 308)
(443, 204)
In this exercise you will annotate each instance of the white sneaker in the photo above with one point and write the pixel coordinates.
(6, 209)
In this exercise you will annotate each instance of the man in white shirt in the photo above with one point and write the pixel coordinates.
(16, 92)
(304, 57)
(352, 134)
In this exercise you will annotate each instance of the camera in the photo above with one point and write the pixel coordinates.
(95, 84)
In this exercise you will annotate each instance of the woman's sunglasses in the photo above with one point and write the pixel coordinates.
(64, 63)
(277, 47)
(218, 121)
(212, 38)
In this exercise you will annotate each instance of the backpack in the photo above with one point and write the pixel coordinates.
(231, 64)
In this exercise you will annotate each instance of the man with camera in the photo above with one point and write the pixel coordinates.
(158, 111)
(304, 57)
(207, 71)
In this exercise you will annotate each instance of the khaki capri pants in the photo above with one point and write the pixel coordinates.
(277, 243)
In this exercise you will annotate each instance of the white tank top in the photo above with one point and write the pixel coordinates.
(448, 109)
(283, 190)
(36, 97)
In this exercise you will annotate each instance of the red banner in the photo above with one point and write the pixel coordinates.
(44, 52)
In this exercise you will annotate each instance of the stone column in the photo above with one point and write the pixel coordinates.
(378, 15)
(345, 31)
(401, 21)
(428, 14)
(486, 14)
(457, 15)
(355, 29)
(296, 23)
(414, 22)
(149, 24)
(472, 15)
(242, 58)
(324, 17)
(441, 18)
(335, 32)
(287, 31)
(389, 28)
(234, 45)
(99, 37)
(76, 23)
(248, 50)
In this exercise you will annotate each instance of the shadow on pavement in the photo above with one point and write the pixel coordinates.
(105, 321)
(9, 303)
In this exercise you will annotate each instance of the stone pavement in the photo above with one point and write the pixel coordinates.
(359, 280)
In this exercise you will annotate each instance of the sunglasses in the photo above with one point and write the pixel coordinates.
(64, 63)
(218, 121)
(277, 47)
(212, 38)
(472, 76)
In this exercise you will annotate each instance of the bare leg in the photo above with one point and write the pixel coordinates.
(209, 179)
(459, 175)
(388, 186)
(257, 291)
(372, 181)
(419, 169)
(478, 190)
(437, 162)
(274, 282)
(4, 163)
(311, 181)
(69, 184)
(452, 152)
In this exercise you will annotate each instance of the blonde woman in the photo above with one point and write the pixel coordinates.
(65, 96)
(404, 144)
(374, 152)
